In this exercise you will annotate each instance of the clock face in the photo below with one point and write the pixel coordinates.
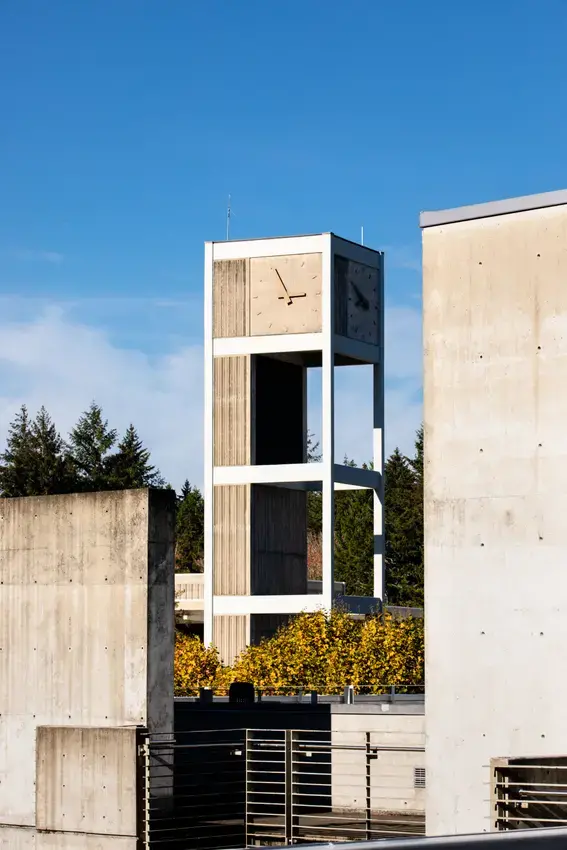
(285, 294)
(357, 301)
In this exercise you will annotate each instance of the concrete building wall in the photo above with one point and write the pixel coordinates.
(392, 773)
(86, 780)
(495, 339)
(28, 838)
(86, 624)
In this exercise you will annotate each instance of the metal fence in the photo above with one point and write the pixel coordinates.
(530, 839)
(243, 788)
(306, 786)
(529, 793)
(195, 791)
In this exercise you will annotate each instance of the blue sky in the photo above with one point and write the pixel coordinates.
(126, 123)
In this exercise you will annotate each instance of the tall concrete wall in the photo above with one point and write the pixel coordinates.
(86, 625)
(495, 339)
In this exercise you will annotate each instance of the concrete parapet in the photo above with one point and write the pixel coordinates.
(86, 780)
(86, 640)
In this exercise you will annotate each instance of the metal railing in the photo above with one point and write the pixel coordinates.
(529, 793)
(238, 788)
(531, 839)
(361, 692)
(195, 791)
(308, 786)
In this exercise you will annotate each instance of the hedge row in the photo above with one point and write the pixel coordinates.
(320, 651)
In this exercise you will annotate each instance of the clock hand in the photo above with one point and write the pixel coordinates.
(289, 301)
(361, 300)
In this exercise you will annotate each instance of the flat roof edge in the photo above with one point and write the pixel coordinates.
(493, 208)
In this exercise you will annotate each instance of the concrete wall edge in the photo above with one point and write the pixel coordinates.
(493, 208)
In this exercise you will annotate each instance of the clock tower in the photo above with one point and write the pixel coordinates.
(273, 309)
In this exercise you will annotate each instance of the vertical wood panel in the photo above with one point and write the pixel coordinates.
(232, 436)
(230, 636)
(232, 540)
(278, 540)
(231, 298)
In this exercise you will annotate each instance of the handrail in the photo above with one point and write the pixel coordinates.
(524, 839)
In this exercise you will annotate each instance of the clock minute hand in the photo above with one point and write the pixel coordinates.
(289, 301)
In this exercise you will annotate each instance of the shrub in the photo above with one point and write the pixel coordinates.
(390, 652)
(195, 665)
(319, 651)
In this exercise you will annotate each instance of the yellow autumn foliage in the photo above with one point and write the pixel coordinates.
(317, 651)
(194, 666)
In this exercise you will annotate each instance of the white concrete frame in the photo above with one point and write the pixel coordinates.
(326, 476)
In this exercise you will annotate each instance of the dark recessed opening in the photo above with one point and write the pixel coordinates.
(281, 416)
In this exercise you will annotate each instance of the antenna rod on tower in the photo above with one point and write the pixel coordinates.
(228, 220)
(362, 235)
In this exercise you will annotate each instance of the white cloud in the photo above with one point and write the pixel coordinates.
(58, 361)
(65, 365)
(29, 255)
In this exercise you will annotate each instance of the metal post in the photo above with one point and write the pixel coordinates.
(378, 441)
(368, 825)
(288, 787)
(246, 781)
(143, 789)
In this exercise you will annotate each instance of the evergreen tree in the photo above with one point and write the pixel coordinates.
(313, 449)
(189, 546)
(418, 493)
(354, 540)
(185, 490)
(52, 471)
(16, 462)
(314, 499)
(404, 532)
(416, 462)
(129, 467)
(35, 461)
(90, 442)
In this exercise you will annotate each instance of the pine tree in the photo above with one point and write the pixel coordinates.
(189, 547)
(354, 538)
(129, 467)
(16, 461)
(314, 501)
(404, 533)
(416, 462)
(90, 442)
(354, 541)
(185, 490)
(52, 471)
(417, 466)
(35, 461)
(313, 449)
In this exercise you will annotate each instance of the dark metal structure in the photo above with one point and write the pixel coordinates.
(237, 788)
